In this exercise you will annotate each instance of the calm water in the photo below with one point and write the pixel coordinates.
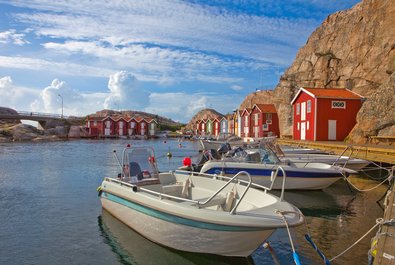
(51, 214)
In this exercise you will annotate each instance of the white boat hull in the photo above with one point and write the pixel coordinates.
(296, 178)
(188, 238)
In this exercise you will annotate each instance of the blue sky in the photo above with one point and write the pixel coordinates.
(171, 58)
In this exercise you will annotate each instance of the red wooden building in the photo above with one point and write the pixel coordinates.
(94, 125)
(264, 121)
(121, 126)
(216, 125)
(132, 126)
(321, 114)
(245, 123)
(108, 126)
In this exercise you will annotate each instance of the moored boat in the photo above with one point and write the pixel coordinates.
(191, 211)
(260, 163)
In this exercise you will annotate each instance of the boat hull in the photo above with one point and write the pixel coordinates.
(184, 237)
(296, 178)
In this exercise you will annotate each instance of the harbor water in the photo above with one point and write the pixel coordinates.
(51, 213)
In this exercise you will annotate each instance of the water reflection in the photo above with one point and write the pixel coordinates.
(132, 248)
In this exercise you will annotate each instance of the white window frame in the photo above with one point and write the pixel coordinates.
(246, 121)
(133, 125)
(268, 116)
(308, 106)
(298, 126)
(268, 121)
(297, 108)
(108, 124)
(338, 104)
(308, 126)
(265, 127)
(94, 123)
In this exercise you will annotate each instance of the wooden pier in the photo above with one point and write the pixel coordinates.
(371, 152)
(386, 241)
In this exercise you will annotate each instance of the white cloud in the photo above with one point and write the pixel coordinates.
(183, 106)
(237, 87)
(15, 97)
(125, 92)
(10, 36)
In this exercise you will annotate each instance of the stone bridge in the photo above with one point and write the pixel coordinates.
(41, 118)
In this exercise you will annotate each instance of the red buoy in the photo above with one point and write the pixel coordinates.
(187, 162)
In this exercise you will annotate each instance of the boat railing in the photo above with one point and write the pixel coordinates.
(349, 147)
(254, 185)
(201, 204)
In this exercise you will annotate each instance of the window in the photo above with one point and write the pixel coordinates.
(95, 123)
(298, 126)
(256, 118)
(298, 109)
(268, 116)
(338, 104)
(108, 124)
(152, 126)
(132, 125)
(268, 121)
(265, 127)
(308, 106)
(308, 125)
(246, 120)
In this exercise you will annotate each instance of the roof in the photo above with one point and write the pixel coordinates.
(266, 108)
(335, 93)
(248, 110)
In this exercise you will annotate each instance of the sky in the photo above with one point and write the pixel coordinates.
(171, 58)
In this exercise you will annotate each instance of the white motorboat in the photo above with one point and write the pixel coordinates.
(337, 160)
(194, 212)
(260, 163)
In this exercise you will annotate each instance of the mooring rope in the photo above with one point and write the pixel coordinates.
(295, 254)
(389, 179)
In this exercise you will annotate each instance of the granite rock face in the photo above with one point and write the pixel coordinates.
(377, 115)
(352, 49)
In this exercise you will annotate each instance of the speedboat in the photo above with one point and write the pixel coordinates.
(191, 211)
(261, 162)
(338, 160)
(220, 140)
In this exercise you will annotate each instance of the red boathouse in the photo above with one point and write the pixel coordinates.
(264, 121)
(323, 114)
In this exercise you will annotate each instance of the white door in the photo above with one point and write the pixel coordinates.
(256, 132)
(107, 131)
(121, 128)
(303, 112)
(331, 129)
(302, 131)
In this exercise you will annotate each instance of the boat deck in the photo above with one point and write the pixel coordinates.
(371, 152)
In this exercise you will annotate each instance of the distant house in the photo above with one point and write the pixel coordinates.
(94, 125)
(223, 128)
(113, 126)
(121, 126)
(152, 126)
(132, 126)
(109, 126)
(199, 127)
(216, 125)
(324, 114)
(245, 122)
(264, 121)
(209, 127)
(231, 124)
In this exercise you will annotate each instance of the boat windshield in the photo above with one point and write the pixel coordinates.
(140, 163)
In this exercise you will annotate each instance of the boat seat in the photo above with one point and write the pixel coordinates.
(173, 189)
(217, 200)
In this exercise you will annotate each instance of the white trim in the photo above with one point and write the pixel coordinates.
(300, 91)
(338, 107)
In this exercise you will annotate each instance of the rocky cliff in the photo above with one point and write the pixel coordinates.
(352, 49)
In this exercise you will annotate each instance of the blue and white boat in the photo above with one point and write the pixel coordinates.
(191, 211)
(260, 163)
